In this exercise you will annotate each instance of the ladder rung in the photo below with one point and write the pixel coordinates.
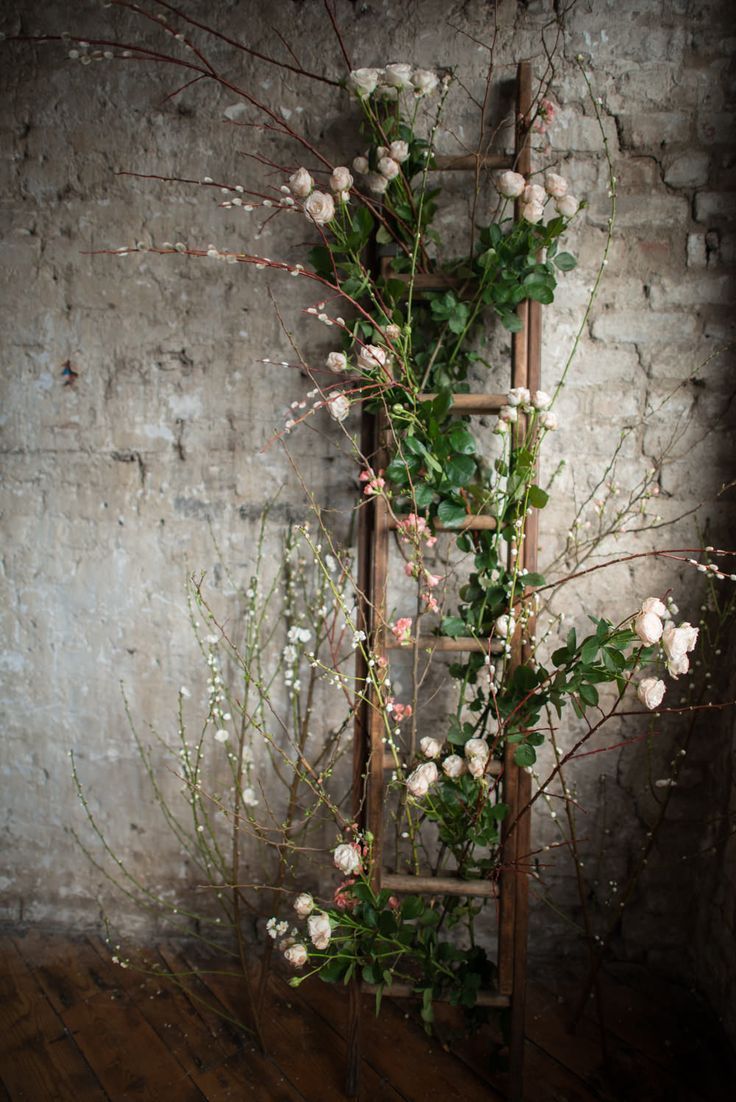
(494, 769)
(447, 884)
(474, 522)
(458, 645)
(472, 403)
(406, 991)
(469, 161)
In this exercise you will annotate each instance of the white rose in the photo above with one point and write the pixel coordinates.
(304, 904)
(650, 692)
(508, 413)
(297, 955)
(301, 183)
(343, 196)
(399, 151)
(337, 361)
(341, 180)
(476, 767)
(393, 332)
(388, 167)
(454, 766)
(371, 356)
(382, 151)
(347, 858)
(320, 930)
(397, 75)
(387, 92)
(532, 212)
(653, 604)
(477, 748)
(505, 625)
(361, 166)
(648, 627)
(679, 641)
(518, 396)
(548, 419)
(320, 208)
(338, 405)
(678, 666)
(430, 747)
(376, 183)
(419, 781)
(533, 193)
(363, 81)
(425, 81)
(541, 399)
(510, 184)
(555, 185)
(567, 206)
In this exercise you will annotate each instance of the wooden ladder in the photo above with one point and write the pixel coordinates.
(370, 762)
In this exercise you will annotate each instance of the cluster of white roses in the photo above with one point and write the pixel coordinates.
(476, 751)
(653, 625)
(348, 859)
(512, 185)
(388, 82)
(319, 206)
(370, 358)
(388, 161)
(521, 398)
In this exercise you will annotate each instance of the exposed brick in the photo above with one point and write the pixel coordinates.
(714, 206)
(688, 170)
(653, 131)
(644, 326)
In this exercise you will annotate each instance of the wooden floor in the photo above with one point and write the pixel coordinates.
(76, 1026)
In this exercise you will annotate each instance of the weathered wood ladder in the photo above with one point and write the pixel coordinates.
(370, 762)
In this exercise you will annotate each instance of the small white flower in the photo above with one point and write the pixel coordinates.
(532, 212)
(677, 643)
(397, 75)
(361, 166)
(651, 692)
(399, 151)
(518, 396)
(424, 82)
(304, 904)
(185, 692)
(320, 930)
(541, 399)
(548, 420)
(337, 362)
(297, 955)
(454, 766)
(320, 208)
(347, 858)
(505, 625)
(222, 735)
(370, 356)
(418, 782)
(509, 414)
(393, 332)
(510, 184)
(338, 405)
(555, 185)
(341, 179)
(567, 206)
(250, 799)
(376, 183)
(533, 193)
(430, 747)
(653, 604)
(301, 183)
(648, 627)
(363, 81)
(388, 167)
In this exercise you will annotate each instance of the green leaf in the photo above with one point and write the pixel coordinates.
(423, 495)
(453, 625)
(412, 907)
(589, 650)
(588, 694)
(461, 439)
(460, 470)
(538, 497)
(451, 513)
(525, 754)
(510, 321)
(565, 262)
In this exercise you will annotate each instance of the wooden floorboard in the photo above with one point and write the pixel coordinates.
(76, 1026)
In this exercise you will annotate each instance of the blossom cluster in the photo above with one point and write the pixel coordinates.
(387, 83)
(533, 197)
(388, 160)
(474, 761)
(319, 206)
(653, 624)
(520, 399)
